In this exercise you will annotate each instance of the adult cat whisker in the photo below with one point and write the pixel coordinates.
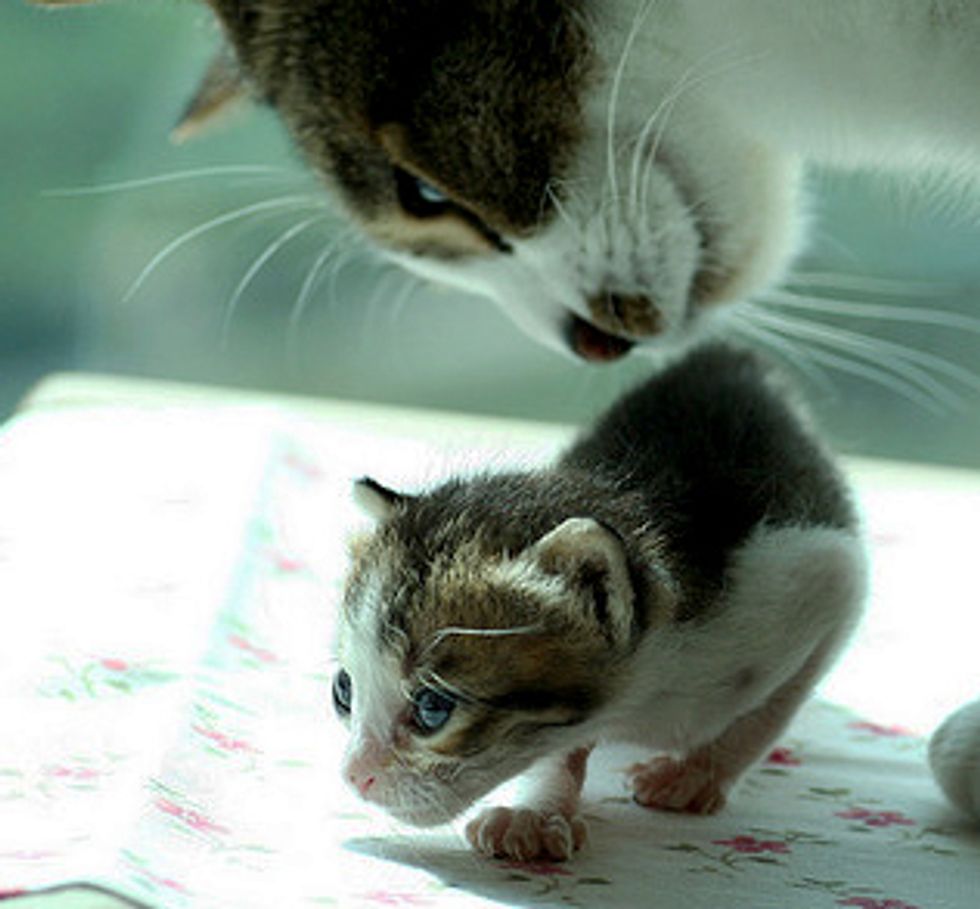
(794, 355)
(884, 312)
(642, 11)
(284, 238)
(901, 351)
(563, 213)
(684, 85)
(308, 287)
(351, 249)
(196, 173)
(238, 214)
(687, 81)
(386, 278)
(910, 380)
(873, 286)
(865, 284)
(413, 284)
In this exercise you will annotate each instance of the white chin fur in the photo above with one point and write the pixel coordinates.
(593, 246)
(954, 755)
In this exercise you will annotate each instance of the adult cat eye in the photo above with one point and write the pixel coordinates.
(342, 693)
(419, 197)
(432, 709)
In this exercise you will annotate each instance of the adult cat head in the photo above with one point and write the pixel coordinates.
(559, 156)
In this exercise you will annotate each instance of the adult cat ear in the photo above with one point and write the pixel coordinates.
(590, 557)
(221, 87)
(377, 500)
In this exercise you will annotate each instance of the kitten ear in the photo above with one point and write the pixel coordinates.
(222, 86)
(590, 557)
(376, 500)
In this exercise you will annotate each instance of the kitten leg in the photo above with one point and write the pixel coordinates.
(699, 782)
(546, 825)
(806, 583)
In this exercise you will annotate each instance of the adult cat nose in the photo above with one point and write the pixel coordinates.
(634, 315)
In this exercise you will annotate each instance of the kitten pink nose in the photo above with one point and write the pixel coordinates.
(362, 782)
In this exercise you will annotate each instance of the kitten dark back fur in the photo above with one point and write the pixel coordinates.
(699, 454)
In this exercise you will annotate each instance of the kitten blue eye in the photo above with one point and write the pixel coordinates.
(342, 693)
(432, 709)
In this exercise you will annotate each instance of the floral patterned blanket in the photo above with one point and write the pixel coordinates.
(167, 579)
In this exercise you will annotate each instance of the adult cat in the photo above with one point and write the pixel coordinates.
(606, 170)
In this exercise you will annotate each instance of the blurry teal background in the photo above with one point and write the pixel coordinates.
(88, 96)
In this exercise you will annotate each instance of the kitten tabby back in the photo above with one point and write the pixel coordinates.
(680, 578)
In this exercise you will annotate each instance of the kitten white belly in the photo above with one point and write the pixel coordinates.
(792, 592)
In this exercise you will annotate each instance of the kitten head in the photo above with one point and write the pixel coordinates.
(463, 657)
(561, 156)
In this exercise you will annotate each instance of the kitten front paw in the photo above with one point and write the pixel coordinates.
(690, 786)
(526, 835)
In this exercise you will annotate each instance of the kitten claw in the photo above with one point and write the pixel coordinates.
(689, 786)
(525, 835)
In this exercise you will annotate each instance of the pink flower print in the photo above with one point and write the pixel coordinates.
(286, 563)
(877, 729)
(225, 742)
(82, 774)
(783, 757)
(114, 664)
(302, 466)
(188, 816)
(876, 818)
(246, 646)
(30, 855)
(749, 845)
(866, 902)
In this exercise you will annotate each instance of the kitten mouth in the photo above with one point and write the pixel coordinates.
(593, 344)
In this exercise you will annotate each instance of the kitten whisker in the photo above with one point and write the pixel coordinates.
(284, 238)
(238, 214)
(196, 173)
(458, 631)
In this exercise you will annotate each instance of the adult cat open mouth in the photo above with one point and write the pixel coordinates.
(593, 344)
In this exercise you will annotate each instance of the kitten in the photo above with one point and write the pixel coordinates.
(680, 578)
(608, 171)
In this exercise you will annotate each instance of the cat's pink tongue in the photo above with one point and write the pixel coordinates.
(595, 345)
